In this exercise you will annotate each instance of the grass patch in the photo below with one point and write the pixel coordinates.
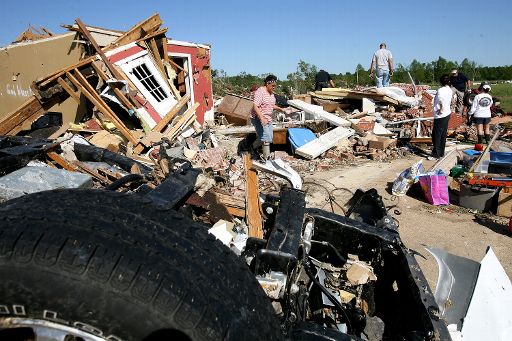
(504, 93)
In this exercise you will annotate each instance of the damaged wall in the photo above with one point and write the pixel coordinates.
(201, 73)
(21, 64)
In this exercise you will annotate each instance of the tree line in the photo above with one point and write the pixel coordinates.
(303, 79)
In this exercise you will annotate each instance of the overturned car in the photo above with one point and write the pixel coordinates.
(89, 264)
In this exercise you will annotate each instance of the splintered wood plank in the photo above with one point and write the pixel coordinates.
(30, 110)
(41, 82)
(323, 143)
(19, 115)
(81, 83)
(99, 51)
(170, 115)
(252, 200)
(155, 34)
(61, 162)
(138, 31)
(156, 54)
(164, 46)
(113, 70)
(117, 92)
(183, 120)
(69, 90)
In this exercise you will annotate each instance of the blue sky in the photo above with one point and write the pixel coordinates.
(272, 36)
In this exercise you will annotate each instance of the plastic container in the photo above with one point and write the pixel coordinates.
(299, 137)
(478, 198)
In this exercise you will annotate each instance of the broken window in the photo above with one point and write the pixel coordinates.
(150, 83)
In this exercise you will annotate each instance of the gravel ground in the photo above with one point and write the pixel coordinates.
(455, 229)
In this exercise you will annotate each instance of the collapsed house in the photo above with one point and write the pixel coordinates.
(139, 81)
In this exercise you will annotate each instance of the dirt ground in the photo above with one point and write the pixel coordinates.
(454, 229)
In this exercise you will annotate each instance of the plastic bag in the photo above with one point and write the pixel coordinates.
(435, 187)
(406, 179)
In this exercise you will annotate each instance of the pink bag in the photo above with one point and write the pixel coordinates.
(435, 187)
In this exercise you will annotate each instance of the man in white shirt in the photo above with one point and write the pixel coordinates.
(442, 111)
(382, 62)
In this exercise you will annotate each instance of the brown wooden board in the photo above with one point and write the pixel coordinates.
(138, 31)
(252, 199)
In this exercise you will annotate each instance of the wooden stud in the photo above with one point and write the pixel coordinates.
(69, 90)
(138, 31)
(170, 115)
(117, 92)
(81, 83)
(29, 111)
(155, 34)
(42, 82)
(151, 43)
(252, 199)
(99, 51)
(61, 162)
(164, 47)
(182, 121)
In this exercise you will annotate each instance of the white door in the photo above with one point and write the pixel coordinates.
(149, 81)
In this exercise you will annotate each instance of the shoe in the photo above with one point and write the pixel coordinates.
(432, 158)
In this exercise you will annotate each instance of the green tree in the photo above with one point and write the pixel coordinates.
(417, 71)
(303, 79)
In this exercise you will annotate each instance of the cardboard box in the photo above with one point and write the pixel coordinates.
(381, 142)
(505, 203)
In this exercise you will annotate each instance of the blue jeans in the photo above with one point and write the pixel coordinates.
(265, 133)
(382, 78)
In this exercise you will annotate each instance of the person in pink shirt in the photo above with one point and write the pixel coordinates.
(261, 116)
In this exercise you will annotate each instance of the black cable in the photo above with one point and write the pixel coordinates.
(331, 298)
(123, 181)
(343, 259)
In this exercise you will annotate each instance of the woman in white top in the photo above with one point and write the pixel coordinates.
(480, 113)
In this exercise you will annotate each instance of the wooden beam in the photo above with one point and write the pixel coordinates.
(182, 122)
(252, 200)
(99, 51)
(113, 70)
(155, 34)
(31, 109)
(69, 90)
(42, 82)
(170, 115)
(164, 47)
(156, 54)
(61, 162)
(117, 92)
(138, 31)
(172, 62)
(81, 83)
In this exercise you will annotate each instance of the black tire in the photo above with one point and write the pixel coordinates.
(114, 262)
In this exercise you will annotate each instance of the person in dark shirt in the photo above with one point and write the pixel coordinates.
(460, 85)
(323, 80)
